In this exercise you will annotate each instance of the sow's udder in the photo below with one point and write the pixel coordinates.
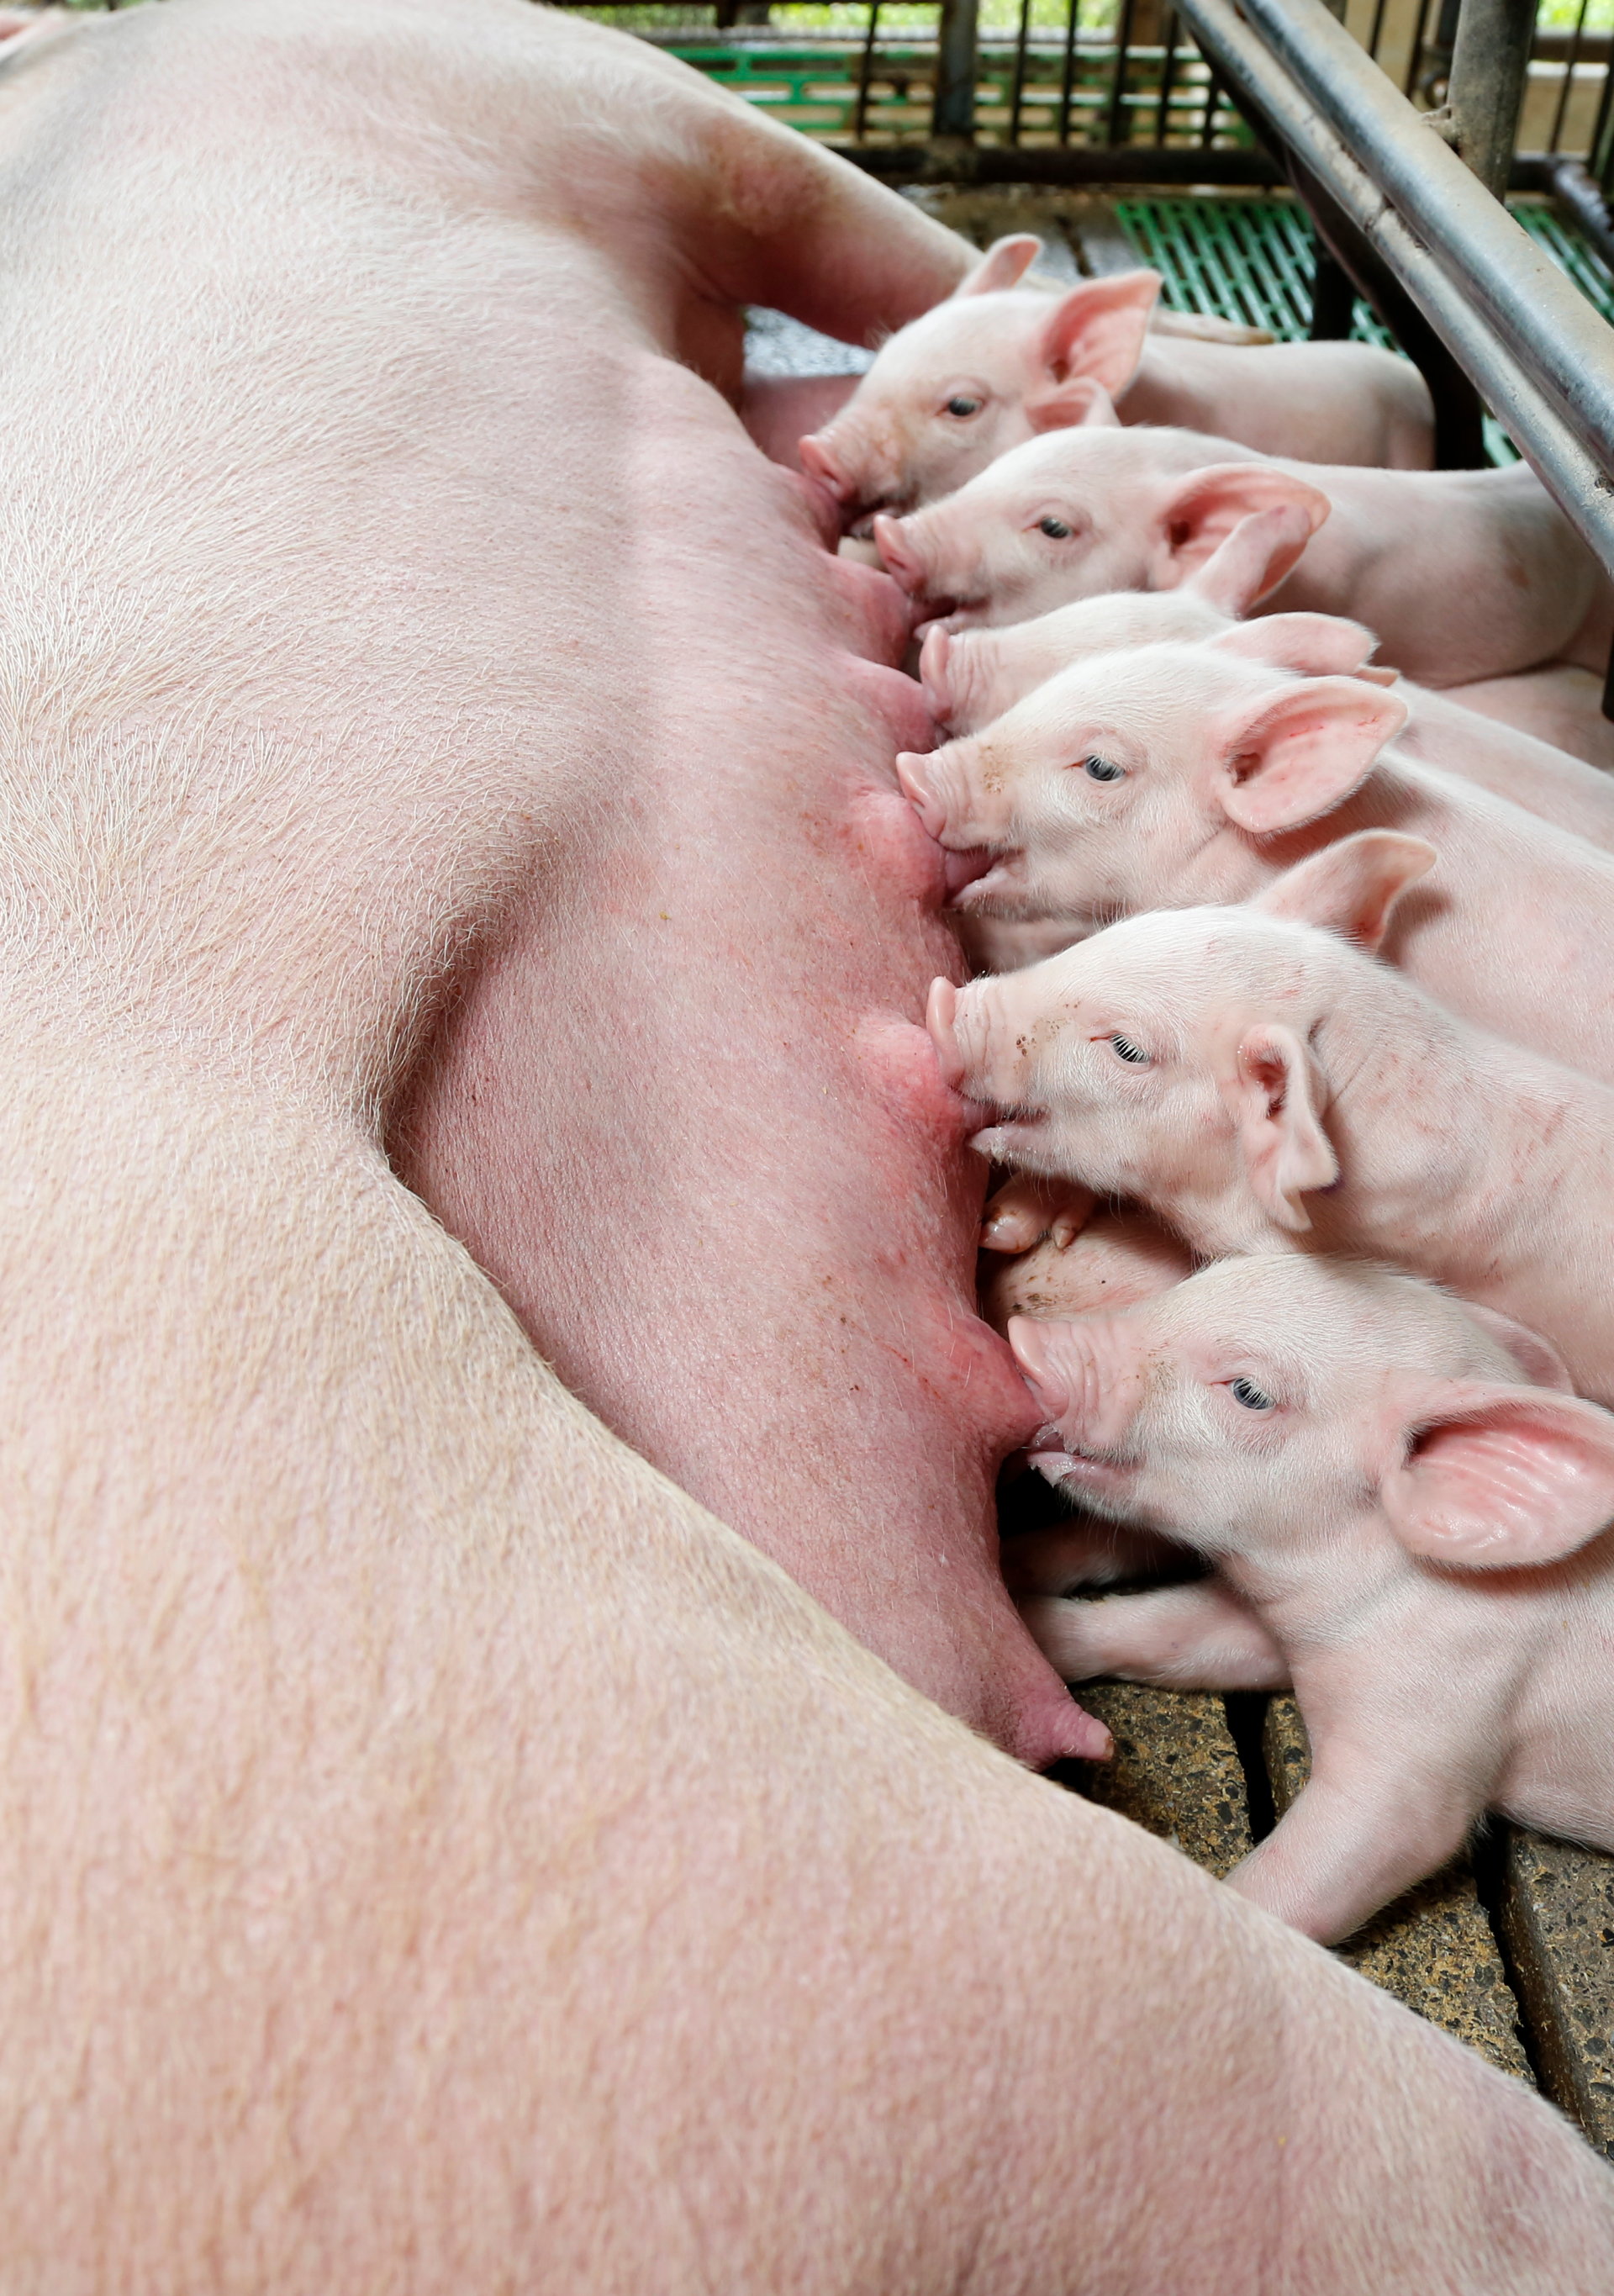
(746, 1237)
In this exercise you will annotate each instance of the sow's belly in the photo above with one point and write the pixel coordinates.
(686, 1118)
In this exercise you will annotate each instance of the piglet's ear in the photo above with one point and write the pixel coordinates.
(1208, 505)
(1318, 645)
(1301, 751)
(1098, 329)
(1350, 887)
(1536, 1358)
(1082, 404)
(1256, 555)
(1005, 265)
(1503, 1477)
(1275, 1099)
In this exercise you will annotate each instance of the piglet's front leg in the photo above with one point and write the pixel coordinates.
(1085, 1552)
(1202, 1637)
(1365, 1828)
(1026, 1208)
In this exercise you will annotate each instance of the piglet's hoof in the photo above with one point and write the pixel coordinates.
(1025, 1210)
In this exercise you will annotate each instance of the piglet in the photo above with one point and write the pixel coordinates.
(1086, 1262)
(1170, 775)
(1463, 574)
(1257, 1079)
(1404, 1524)
(973, 676)
(1002, 360)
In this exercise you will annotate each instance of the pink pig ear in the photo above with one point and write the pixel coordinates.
(1350, 887)
(1082, 404)
(1005, 265)
(1500, 1478)
(1097, 329)
(1209, 505)
(1300, 752)
(1275, 1100)
(1536, 1358)
(1318, 645)
(1255, 557)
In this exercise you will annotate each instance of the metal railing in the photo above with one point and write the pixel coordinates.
(1475, 298)
(1095, 90)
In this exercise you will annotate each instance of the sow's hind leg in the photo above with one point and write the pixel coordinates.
(688, 1120)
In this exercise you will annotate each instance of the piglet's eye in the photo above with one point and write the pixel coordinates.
(963, 408)
(1127, 1050)
(1252, 1398)
(1104, 769)
(1054, 528)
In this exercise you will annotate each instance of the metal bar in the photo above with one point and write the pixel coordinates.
(1555, 138)
(1117, 118)
(1048, 163)
(954, 113)
(860, 116)
(1600, 155)
(1540, 354)
(1333, 299)
(1373, 37)
(1458, 417)
(1017, 86)
(1489, 58)
(1213, 96)
(1168, 69)
(1067, 79)
(1578, 197)
(1414, 61)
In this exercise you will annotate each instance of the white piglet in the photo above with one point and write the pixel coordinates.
(1405, 1511)
(1257, 1077)
(1463, 574)
(971, 677)
(1003, 360)
(1167, 776)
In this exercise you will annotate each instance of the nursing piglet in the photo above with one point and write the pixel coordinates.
(1463, 574)
(1170, 775)
(973, 676)
(1000, 362)
(1404, 1526)
(1257, 1079)
(1085, 1264)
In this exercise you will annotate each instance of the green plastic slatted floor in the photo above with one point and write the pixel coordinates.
(1251, 259)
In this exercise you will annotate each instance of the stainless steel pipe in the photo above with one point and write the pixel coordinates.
(1540, 357)
(1489, 59)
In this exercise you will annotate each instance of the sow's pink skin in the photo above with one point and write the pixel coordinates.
(1403, 1526)
(1168, 776)
(1463, 574)
(1256, 1077)
(999, 362)
(789, 1335)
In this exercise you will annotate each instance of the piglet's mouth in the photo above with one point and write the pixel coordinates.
(861, 517)
(943, 610)
(1073, 1470)
(1010, 1134)
(968, 867)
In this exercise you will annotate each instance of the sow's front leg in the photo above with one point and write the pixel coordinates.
(688, 1118)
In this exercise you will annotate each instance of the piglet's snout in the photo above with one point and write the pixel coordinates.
(819, 461)
(974, 1043)
(1085, 1376)
(939, 666)
(917, 777)
(941, 1019)
(903, 562)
